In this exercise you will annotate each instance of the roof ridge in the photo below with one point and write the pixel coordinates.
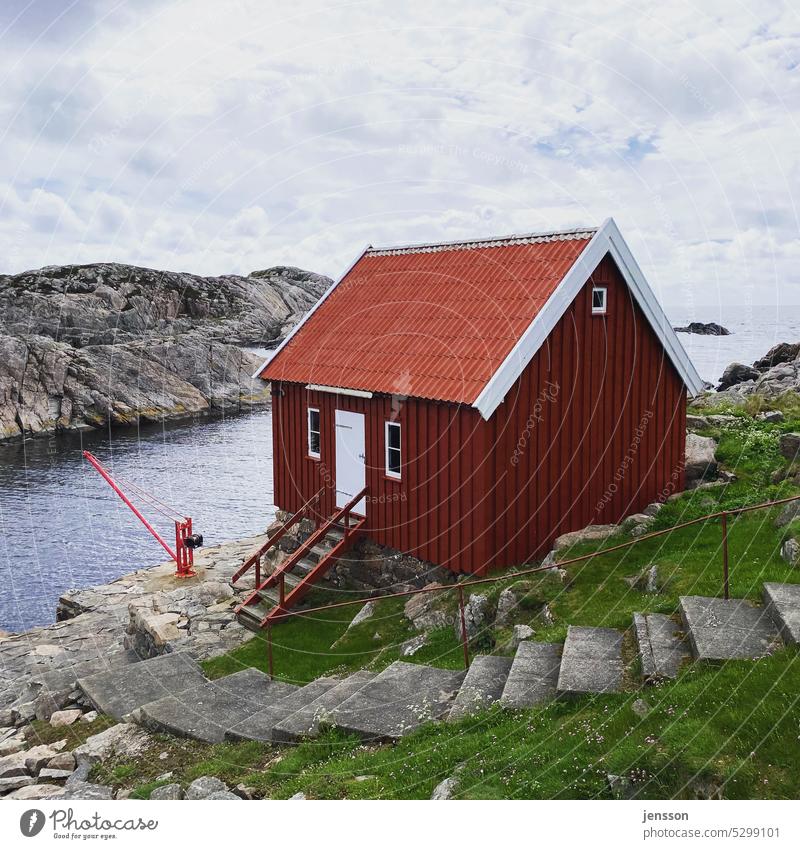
(488, 242)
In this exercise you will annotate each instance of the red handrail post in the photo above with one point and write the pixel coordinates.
(269, 648)
(463, 626)
(725, 576)
(258, 571)
(282, 589)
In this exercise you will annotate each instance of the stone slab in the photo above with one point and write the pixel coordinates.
(259, 725)
(397, 701)
(305, 721)
(209, 711)
(663, 648)
(591, 661)
(533, 675)
(120, 691)
(782, 602)
(720, 629)
(482, 686)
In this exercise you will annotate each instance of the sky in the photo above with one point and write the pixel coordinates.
(224, 137)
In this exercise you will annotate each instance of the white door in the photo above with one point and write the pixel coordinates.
(351, 474)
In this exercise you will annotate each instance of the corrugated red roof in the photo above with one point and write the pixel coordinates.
(433, 321)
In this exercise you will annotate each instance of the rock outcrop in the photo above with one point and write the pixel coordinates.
(81, 346)
(771, 376)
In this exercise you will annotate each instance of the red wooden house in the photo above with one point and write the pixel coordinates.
(480, 398)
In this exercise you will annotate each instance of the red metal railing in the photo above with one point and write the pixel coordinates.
(278, 576)
(255, 558)
(459, 587)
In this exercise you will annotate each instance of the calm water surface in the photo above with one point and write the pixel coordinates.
(62, 526)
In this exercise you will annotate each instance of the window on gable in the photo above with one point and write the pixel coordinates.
(599, 295)
(313, 432)
(393, 454)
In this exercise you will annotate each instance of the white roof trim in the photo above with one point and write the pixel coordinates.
(308, 315)
(607, 239)
(338, 390)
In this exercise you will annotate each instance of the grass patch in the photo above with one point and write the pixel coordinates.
(39, 732)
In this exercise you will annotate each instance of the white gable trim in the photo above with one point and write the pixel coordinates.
(308, 315)
(607, 239)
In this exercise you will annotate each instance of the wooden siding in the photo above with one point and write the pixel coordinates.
(436, 511)
(477, 495)
(592, 431)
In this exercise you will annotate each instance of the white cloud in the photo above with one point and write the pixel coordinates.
(225, 137)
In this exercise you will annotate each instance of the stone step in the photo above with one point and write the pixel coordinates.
(782, 603)
(398, 700)
(483, 685)
(305, 721)
(727, 630)
(259, 726)
(209, 711)
(121, 690)
(663, 647)
(591, 661)
(533, 675)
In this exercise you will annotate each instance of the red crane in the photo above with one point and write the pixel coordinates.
(185, 541)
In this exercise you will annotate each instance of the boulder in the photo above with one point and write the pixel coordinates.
(445, 790)
(591, 533)
(412, 646)
(6, 718)
(476, 614)
(789, 513)
(50, 775)
(641, 708)
(65, 717)
(224, 794)
(425, 611)
(121, 740)
(12, 745)
(771, 416)
(87, 790)
(790, 446)
(37, 792)
(701, 464)
(507, 603)
(168, 791)
(736, 373)
(63, 760)
(149, 633)
(637, 524)
(298, 797)
(790, 552)
(519, 634)
(366, 612)
(696, 422)
(203, 787)
(645, 580)
(653, 509)
(783, 352)
(15, 782)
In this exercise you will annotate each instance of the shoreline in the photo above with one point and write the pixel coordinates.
(147, 612)
(244, 407)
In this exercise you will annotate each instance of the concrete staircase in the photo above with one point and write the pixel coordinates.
(170, 693)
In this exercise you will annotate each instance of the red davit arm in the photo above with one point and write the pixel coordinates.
(184, 557)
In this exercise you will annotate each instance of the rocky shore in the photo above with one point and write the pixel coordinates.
(82, 346)
(769, 377)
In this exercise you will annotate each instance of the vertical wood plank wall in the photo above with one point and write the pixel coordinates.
(463, 502)
(593, 430)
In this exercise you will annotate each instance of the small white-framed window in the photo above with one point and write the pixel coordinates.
(393, 452)
(313, 432)
(599, 299)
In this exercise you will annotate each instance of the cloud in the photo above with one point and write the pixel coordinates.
(220, 138)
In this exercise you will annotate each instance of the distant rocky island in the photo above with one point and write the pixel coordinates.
(703, 329)
(86, 345)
